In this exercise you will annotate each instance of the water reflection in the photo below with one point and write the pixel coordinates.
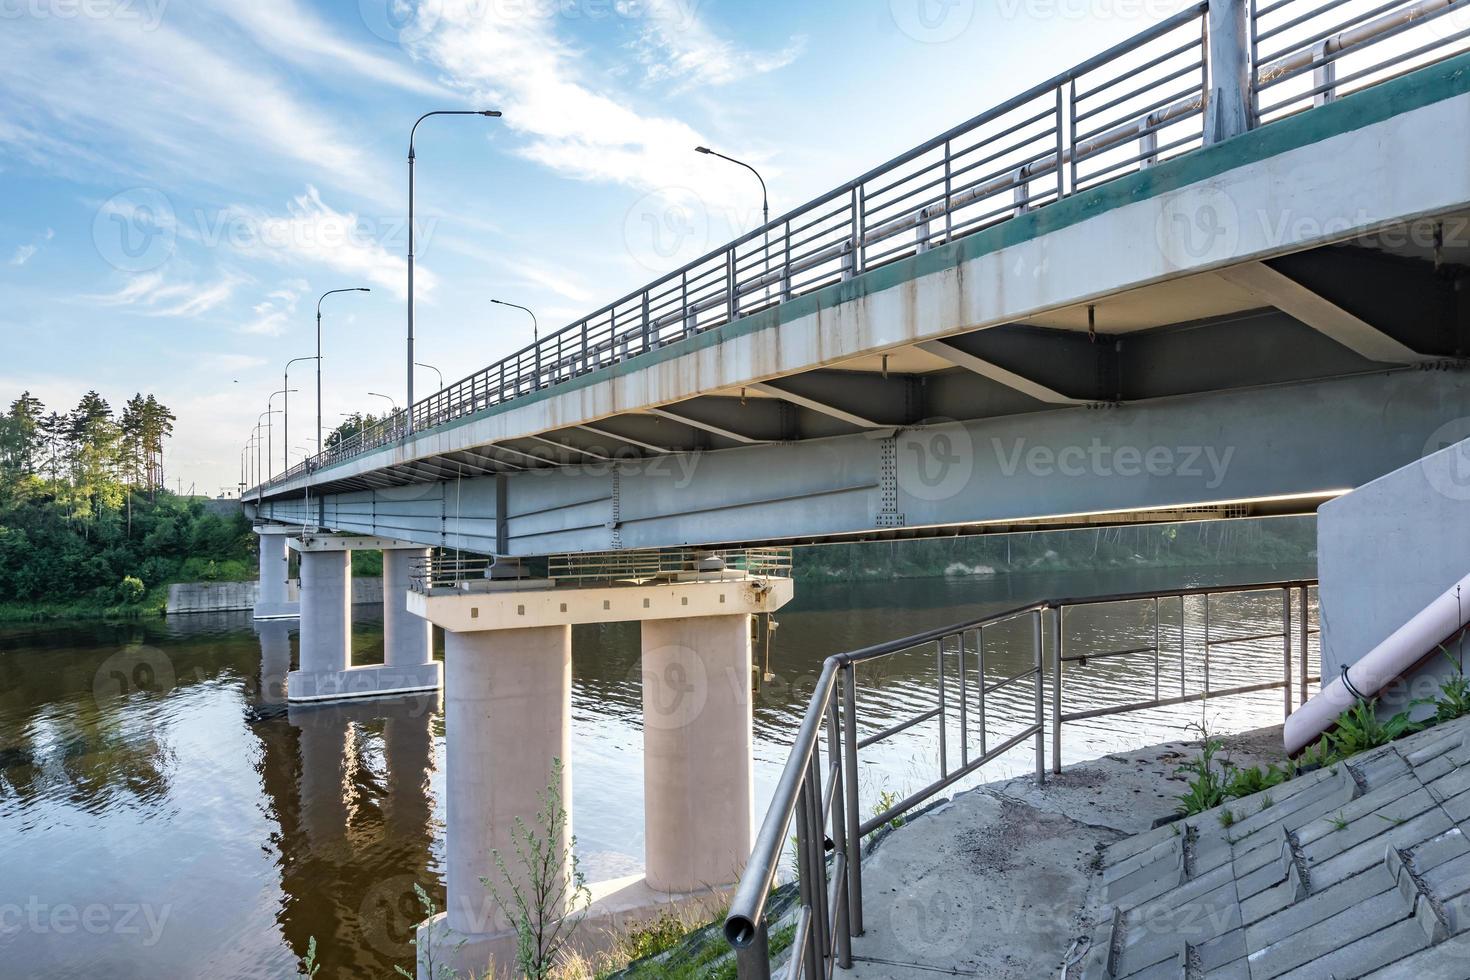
(155, 767)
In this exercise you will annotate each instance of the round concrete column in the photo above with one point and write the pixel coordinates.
(326, 610)
(323, 740)
(272, 597)
(697, 788)
(407, 639)
(275, 660)
(507, 715)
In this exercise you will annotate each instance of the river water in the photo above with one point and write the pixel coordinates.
(163, 815)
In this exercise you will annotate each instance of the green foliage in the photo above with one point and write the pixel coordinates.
(1227, 817)
(1359, 729)
(309, 965)
(1208, 782)
(1247, 782)
(547, 900)
(1454, 693)
(425, 953)
(85, 523)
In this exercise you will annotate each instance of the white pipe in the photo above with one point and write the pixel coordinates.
(1405, 647)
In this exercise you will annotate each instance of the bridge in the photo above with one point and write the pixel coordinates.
(1219, 270)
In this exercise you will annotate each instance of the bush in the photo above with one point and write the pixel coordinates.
(130, 591)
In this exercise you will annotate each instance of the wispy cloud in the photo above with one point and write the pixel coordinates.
(24, 253)
(153, 295)
(313, 231)
(577, 128)
(676, 46)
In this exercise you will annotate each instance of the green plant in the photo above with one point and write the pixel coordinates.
(1340, 821)
(1207, 785)
(1267, 802)
(309, 965)
(546, 905)
(130, 590)
(1359, 729)
(1454, 693)
(424, 952)
(1227, 817)
(1247, 782)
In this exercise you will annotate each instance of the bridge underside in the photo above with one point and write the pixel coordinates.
(1078, 376)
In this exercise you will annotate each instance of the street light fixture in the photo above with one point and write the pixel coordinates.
(765, 202)
(535, 336)
(388, 398)
(435, 370)
(349, 289)
(270, 464)
(489, 113)
(286, 402)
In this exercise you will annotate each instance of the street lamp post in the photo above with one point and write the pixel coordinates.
(765, 220)
(350, 289)
(490, 113)
(270, 463)
(286, 408)
(535, 337)
(765, 202)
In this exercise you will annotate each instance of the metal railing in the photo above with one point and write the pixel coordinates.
(1138, 103)
(819, 792)
(449, 572)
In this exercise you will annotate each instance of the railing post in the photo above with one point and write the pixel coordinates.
(1056, 690)
(1286, 649)
(1324, 75)
(753, 962)
(1301, 694)
(732, 289)
(1227, 109)
(1040, 698)
(647, 325)
(849, 775)
(839, 832)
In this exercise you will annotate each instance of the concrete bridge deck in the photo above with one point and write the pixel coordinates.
(1251, 326)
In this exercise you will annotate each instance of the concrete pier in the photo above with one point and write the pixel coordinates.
(507, 716)
(277, 598)
(325, 671)
(697, 779)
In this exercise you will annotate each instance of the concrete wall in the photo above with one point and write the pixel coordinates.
(1386, 550)
(192, 597)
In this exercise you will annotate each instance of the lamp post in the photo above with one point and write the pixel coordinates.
(490, 113)
(435, 370)
(286, 406)
(535, 337)
(387, 398)
(349, 289)
(270, 463)
(765, 202)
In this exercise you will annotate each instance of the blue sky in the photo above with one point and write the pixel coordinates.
(181, 180)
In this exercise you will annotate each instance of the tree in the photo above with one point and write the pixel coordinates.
(21, 438)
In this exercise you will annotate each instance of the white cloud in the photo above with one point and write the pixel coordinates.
(676, 46)
(574, 127)
(313, 231)
(22, 254)
(153, 295)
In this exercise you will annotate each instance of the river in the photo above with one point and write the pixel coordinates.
(163, 815)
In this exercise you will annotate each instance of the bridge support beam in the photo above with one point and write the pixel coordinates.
(276, 598)
(507, 715)
(325, 665)
(697, 776)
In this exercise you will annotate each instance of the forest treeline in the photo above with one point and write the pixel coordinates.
(85, 520)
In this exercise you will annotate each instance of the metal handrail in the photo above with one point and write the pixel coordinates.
(822, 799)
(1038, 159)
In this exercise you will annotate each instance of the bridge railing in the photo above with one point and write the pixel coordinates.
(1002, 661)
(1136, 104)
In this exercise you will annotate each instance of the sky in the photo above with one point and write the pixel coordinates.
(180, 181)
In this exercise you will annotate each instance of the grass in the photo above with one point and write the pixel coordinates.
(151, 605)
